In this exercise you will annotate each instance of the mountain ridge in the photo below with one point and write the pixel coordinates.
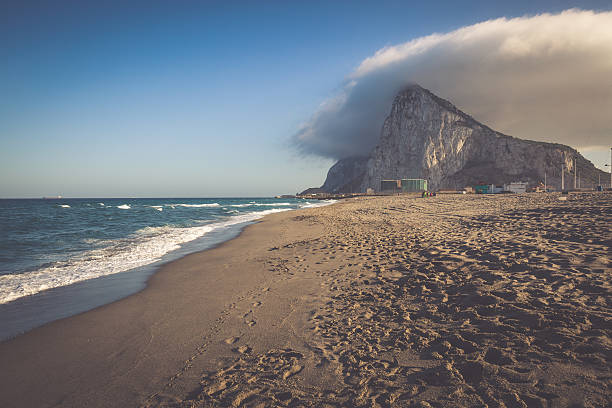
(425, 136)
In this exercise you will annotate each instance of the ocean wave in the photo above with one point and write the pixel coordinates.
(321, 203)
(144, 247)
(64, 205)
(255, 204)
(194, 205)
(157, 207)
(124, 207)
(273, 204)
(91, 241)
(250, 216)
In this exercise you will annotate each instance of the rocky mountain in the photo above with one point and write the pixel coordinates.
(346, 176)
(427, 137)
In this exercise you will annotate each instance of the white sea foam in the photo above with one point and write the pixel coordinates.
(91, 241)
(273, 204)
(124, 207)
(102, 204)
(64, 205)
(157, 207)
(146, 246)
(321, 203)
(194, 205)
(254, 204)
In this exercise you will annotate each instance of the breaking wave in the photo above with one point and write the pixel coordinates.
(194, 205)
(145, 246)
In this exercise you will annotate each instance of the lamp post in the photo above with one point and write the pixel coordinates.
(610, 165)
(562, 178)
(575, 173)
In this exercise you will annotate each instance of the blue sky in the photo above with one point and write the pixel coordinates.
(185, 98)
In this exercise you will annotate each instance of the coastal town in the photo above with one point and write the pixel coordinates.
(412, 186)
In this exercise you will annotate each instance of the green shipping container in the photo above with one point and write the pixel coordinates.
(481, 188)
(390, 185)
(414, 185)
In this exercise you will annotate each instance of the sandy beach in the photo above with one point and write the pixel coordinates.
(454, 300)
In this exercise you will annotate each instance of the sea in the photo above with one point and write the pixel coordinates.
(61, 257)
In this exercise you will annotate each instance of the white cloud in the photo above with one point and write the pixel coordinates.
(545, 77)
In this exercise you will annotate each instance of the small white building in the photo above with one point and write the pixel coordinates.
(494, 189)
(516, 187)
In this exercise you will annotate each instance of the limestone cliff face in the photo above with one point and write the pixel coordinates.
(346, 176)
(427, 137)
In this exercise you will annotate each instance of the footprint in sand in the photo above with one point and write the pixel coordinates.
(243, 349)
(255, 304)
(294, 369)
(232, 340)
(251, 323)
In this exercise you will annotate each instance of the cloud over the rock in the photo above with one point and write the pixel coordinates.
(546, 77)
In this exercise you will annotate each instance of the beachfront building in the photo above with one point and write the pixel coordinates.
(516, 187)
(414, 185)
(488, 189)
(403, 186)
(390, 186)
(481, 188)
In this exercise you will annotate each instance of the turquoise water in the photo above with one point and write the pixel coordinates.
(61, 257)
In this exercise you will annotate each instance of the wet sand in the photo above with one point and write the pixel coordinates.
(499, 301)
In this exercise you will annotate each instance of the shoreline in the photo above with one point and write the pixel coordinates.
(106, 292)
(386, 300)
(28, 312)
(113, 238)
